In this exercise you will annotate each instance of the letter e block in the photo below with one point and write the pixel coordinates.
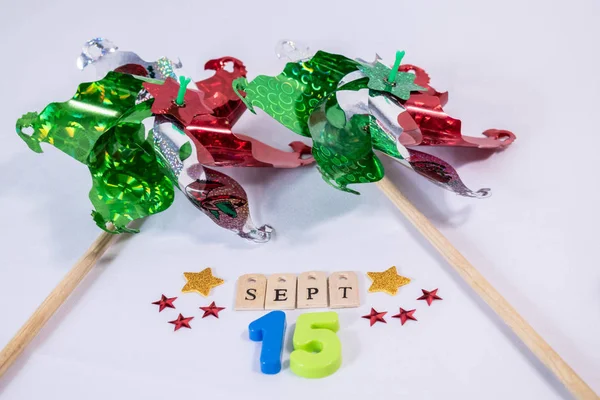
(281, 292)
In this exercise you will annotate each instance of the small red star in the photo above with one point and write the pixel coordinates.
(164, 101)
(375, 316)
(429, 296)
(165, 302)
(181, 321)
(211, 310)
(405, 315)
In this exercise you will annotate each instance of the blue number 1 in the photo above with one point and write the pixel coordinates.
(270, 329)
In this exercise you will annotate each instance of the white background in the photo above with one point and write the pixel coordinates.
(528, 66)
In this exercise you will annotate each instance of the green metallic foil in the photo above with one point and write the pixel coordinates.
(344, 155)
(293, 95)
(75, 125)
(303, 99)
(101, 127)
(128, 181)
(402, 86)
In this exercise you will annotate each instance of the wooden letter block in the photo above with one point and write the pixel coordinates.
(343, 290)
(281, 292)
(250, 293)
(312, 290)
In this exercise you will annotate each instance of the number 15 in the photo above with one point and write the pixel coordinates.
(317, 349)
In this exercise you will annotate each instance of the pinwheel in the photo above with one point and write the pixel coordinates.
(134, 172)
(354, 110)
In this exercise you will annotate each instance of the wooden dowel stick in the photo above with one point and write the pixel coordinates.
(483, 288)
(54, 300)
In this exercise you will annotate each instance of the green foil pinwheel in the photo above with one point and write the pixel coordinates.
(303, 99)
(353, 109)
(101, 127)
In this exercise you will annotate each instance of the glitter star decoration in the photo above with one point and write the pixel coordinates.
(405, 315)
(211, 310)
(201, 282)
(375, 316)
(165, 302)
(181, 322)
(387, 281)
(429, 296)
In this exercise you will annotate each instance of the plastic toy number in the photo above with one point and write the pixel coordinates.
(317, 349)
(270, 329)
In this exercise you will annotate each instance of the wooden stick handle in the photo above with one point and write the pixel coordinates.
(54, 300)
(483, 288)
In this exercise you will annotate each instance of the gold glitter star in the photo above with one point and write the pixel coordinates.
(387, 281)
(201, 282)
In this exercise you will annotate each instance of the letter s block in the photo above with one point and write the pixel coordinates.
(250, 294)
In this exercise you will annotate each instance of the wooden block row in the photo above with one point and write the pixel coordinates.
(287, 292)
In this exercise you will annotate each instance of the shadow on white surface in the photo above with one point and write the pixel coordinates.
(53, 191)
(288, 347)
(352, 344)
(438, 213)
(63, 312)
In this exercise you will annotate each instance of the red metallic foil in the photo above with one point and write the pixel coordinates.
(208, 115)
(212, 133)
(220, 97)
(424, 115)
(164, 101)
(221, 198)
(441, 173)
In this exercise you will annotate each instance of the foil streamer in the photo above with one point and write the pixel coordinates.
(438, 128)
(101, 127)
(210, 112)
(134, 173)
(292, 96)
(344, 151)
(221, 98)
(164, 95)
(212, 192)
(350, 110)
(293, 51)
(386, 135)
(75, 125)
(109, 58)
(226, 202)
(127, 179)
(442, 174)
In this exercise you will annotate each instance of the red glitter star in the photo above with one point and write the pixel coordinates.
(181, 321)
(375, 316)
(429, 296)
(164, 101)
(405, 315)
(165, 302)
(211, 310)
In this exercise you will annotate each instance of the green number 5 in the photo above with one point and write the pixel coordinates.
(317, 349)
